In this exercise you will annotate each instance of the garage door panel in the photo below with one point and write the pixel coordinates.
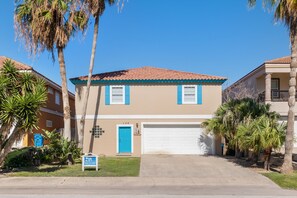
(175, 139)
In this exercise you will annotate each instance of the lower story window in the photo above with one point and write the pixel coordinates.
(49, 123)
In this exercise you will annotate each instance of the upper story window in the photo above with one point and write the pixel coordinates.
(189, 94)
(57, 98)
(117, 94)
(50, 90)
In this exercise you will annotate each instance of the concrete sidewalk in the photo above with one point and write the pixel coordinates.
(53, 182)
(133, 186)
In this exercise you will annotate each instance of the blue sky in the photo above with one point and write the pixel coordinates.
(224, 38)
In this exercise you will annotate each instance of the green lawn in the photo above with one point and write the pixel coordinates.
(284, 181)
(108, 167)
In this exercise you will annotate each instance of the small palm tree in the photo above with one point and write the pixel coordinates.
(22, 95)
(286, 11)
(49, 25)
(231, 114)
(261, 134)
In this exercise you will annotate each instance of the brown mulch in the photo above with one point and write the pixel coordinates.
(276, 163)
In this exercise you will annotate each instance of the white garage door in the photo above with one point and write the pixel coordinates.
(176, 139)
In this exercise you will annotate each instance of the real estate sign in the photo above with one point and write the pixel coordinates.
(89, 160)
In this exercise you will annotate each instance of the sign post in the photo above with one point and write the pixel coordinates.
(89, 160)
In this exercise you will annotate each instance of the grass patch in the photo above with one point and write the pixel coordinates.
(108, 167)
(284, 181)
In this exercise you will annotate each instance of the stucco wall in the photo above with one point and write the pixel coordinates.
(144, 100)
(106, 144)
(150, 99)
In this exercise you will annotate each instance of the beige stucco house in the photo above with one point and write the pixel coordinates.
(268, 83)
(148, 110)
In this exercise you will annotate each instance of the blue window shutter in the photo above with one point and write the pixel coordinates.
(199, 94)
(107, 95)
(127, 95)
(179, 94)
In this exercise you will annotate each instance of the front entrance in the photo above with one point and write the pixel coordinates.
(125, 139)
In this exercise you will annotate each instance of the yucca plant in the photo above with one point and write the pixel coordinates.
(22, 96)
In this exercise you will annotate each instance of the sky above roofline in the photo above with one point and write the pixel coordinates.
(222, 38)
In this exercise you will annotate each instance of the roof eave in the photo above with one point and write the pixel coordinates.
(76, 81)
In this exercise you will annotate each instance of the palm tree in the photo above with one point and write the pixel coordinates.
(286, 11)
(231, 114)
(48, 25)
(22, 95)
(261, 134)
(96, 8)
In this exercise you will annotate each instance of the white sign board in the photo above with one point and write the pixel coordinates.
(89, 160)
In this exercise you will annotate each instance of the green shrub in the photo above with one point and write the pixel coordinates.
(59, 148)
(23, 157)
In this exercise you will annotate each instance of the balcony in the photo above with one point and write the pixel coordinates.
(276, 96)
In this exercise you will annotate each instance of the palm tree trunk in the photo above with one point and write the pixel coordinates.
(66, 106)
(267, 160)
(87, 91)
(287, 165)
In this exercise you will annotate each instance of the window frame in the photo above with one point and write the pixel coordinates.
(49, 123)
(50, 90)
(278, 83)
(110, 97)
(183, 95)
(57, 94)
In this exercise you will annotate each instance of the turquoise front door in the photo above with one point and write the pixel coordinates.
(125, 141)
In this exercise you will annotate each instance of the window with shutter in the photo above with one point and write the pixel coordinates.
(189, 94)
(117, 94)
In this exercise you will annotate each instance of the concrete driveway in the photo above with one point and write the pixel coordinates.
(202, 170)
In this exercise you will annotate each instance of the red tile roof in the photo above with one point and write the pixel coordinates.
(18, 65)
(150, 73)
(282, 60)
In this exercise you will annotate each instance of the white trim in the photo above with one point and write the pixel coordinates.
(110, 117)
(161, 123)
(53, 112)
(117, 139)
(110, 94)
(183, 96)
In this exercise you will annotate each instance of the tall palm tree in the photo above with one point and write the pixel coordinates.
(96, 8)
(286, 11)
(22, 95)
(49, 25)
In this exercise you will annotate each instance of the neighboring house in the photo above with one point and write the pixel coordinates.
(268, 83)
(148, 110)
(51, 117)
